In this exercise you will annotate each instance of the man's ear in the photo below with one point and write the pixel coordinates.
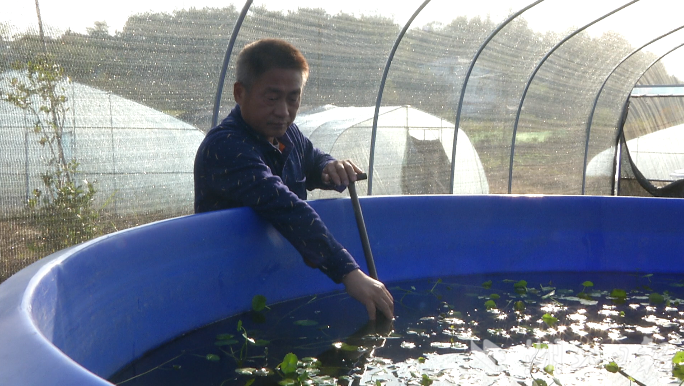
(238, 92)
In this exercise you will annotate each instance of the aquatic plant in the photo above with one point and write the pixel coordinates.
(561, 318)
(63, 210)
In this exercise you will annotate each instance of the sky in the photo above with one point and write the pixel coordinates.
(62, 12)
(80, 14)
(550, 15)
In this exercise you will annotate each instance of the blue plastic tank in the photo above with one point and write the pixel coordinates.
(77, 316)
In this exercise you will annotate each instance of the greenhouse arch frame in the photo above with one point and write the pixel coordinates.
(436, 97)
(472, 63)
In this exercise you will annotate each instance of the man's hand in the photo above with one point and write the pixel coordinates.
(369, 292)
(340, 173)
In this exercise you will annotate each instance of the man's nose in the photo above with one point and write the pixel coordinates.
(281, 109)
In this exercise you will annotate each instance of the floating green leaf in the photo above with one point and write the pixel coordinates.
(425, 380)
(612, 367)
(549, 369)
(348, 347)
(549, 320)
(520, 284)
(494, 296)
(287, 382)
(489, 304)
(421, 359)
(656, 298)
(519, 305)
(520, 287)
(213, 357)
(258, 303)
(540, 346)
(539, 382)
(678, 372)
(487, 284)
(584, 295)
(289, 364)
(618, 293)
(587, 284)
(306, 322)
(678, 357)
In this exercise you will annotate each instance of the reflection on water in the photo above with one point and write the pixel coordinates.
(493, 329)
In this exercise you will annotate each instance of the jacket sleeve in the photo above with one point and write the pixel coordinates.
(315, 161)
(237, 172)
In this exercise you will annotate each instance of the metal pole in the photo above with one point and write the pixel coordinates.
(590, 120)
(362, 227)
(40, 28)
(459, 107)
(226, 60)
(534, 73)
(378, 100)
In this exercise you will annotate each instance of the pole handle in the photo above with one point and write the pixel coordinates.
(362, 226)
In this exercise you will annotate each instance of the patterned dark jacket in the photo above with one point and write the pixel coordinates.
(235, 166)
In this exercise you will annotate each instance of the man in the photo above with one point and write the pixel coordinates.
(257, 157)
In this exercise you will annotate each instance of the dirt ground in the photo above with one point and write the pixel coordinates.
(18, 238)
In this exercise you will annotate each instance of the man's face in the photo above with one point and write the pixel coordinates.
(271, 105)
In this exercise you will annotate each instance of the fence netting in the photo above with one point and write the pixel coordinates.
(99, 125)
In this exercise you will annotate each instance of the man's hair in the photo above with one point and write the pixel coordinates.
(263, 55)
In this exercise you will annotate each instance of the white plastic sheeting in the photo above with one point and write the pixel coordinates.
(345, 133)
(658, 155)
(138, 157)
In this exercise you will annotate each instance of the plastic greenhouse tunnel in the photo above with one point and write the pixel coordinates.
(498, 137)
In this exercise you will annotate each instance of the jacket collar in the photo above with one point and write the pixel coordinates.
(236, 116)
